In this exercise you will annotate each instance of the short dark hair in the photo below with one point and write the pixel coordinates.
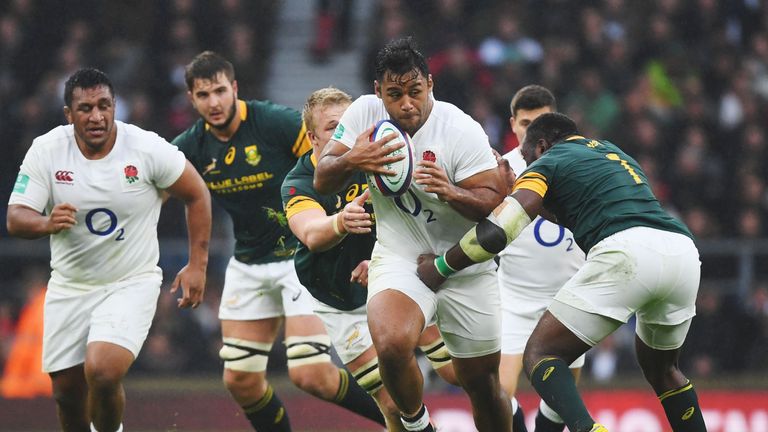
(399, 57)
(86, 78)
(552, 127)
(532, 97)
(207, 65)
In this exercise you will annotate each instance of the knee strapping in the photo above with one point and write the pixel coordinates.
(304, 350)
(369, 377)
(437, 353)
(244, 355)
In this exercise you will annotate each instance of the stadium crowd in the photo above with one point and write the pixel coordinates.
(682, 85)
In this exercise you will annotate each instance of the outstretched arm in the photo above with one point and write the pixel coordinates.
(320, 232)
(485, 240)
(191, 189)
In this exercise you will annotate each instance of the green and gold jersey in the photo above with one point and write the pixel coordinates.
(595, 190)
(244, 175)
(326, 274)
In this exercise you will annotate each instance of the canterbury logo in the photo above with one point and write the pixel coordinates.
(547, 373)
(64, 176)
(688, 413)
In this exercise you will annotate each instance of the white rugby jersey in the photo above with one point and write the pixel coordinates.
(418, 222)
(118, 199)
(543, 257)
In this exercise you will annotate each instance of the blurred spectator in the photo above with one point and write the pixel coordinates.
(332, 28)
(593, 103)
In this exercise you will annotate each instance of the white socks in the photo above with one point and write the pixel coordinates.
(549, 413)
(119, 429)
(418, 422)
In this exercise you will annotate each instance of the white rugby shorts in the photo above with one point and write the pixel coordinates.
(647, 272)
(466, 309)
(119, 313)
(261, 291)
(348, 330)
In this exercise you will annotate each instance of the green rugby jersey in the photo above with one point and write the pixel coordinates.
(326, 274)
(244, 175)
(595, 190)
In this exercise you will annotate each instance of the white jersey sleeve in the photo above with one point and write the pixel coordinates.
(363, 113)
(471, 159)
(32, 187)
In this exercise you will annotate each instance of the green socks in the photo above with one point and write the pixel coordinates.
(554, 382)
(352, 397)
(682, 408)
(268, 414)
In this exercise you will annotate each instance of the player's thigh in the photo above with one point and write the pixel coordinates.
(262, 330)
(469, 315)
(429, 336)
(348, 331)
(66, 322)
(618, 278)
(120, 313)
(664, 324)
(387, 271)
(125, 315)
(251, 291)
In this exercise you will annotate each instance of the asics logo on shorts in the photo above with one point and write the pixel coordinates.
(64, 176)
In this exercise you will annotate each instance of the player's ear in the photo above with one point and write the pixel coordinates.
(430, 83)
(543, 145)
(377, 88)
(234, 88)
(68, 114)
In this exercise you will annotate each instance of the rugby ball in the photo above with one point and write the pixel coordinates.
(397, 184)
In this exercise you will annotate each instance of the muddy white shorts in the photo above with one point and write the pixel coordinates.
(119, 313)
(261, 291)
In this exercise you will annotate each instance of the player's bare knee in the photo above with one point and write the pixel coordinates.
(530, 360)
(319, 379)
(393, 348)
(103, 377)
(235, 380)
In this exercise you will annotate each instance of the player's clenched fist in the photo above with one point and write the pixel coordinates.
(62, 217)
(428, 272)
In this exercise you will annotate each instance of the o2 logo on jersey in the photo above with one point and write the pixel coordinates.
(412, 206)
(551, 243)
(95, 219)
